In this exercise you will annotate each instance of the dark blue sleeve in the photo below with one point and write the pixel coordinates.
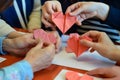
(113, 18)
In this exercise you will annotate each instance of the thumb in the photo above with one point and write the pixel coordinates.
(87, 43)
(90, 14)
(101, 72)
(39, 45)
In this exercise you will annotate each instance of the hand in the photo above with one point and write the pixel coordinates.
(40, 57)
(15, 34)
(19, 45)
(58, 42)
(47, 10)
(85, 10)
(111, 73)
(103, 44)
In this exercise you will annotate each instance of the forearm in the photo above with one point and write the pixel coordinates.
(103, 10)
(115, 55)
(18, 71)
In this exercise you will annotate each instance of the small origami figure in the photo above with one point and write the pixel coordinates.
(71, 75)
(63, 22)
(73, 44)
(44, 36)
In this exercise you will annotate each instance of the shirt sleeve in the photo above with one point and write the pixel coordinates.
(35, 16)
(5, 29)
(113, 18)
(18, 71)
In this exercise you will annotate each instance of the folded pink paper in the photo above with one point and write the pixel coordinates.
(63, 22)
(44, 36)
(73, 44)
(71, 75)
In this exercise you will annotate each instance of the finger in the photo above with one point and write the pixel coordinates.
(47, 23)
(71, 8)
(109, 79)
(94, 45)
(92, 50)
(51, 49)
(79, 20)
(58, 44)
(39, 45)
(87, 43)
(92, 34)
(46, 16)
(49, 8)
(102, 72)
(77, 12)
(90, 15)
(58, 8)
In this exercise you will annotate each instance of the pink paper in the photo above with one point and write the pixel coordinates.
(63, 22)
(44, 36)
(73, 44)
(71, 75)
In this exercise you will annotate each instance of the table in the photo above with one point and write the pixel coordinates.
(46, 74)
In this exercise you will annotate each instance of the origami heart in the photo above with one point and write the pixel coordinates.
(73, 44)
(71, 75)
(44, 36)
(63, 22)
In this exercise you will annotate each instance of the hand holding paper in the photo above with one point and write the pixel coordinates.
(73, 44)
(44, 36)
(63, 22)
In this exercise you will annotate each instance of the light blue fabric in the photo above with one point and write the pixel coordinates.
(1, 48)
(18, 71)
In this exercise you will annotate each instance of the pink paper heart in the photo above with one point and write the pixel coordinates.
(71, 75)
(73, 44)
(63, 22)
(44, 36)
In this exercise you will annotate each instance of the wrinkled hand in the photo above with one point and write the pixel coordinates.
(85, 10)
(40, 57)
(110, 73)
(103, 44)
(58, 42)
(19, 45)
(47, 10)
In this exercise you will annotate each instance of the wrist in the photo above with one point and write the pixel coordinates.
(115, 55)
(102, 12)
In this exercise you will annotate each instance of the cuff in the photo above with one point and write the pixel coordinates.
(21, 70)
(1, 46)
(27, 69)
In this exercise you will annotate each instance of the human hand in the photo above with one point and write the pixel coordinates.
(48, 9)
(19, 45)
(58, 42)
(15, 34)
(85, 10)
(103, 44)
(40, 56)
(111, 73)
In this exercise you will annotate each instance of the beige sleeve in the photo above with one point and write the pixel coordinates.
(35, 17)
(5, 29)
